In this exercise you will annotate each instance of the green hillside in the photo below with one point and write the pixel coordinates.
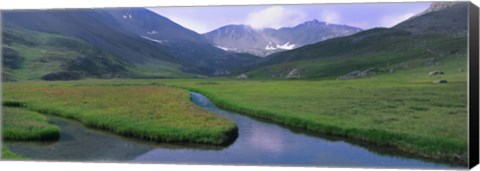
(383, 50)
(31, 55)
(423, 41)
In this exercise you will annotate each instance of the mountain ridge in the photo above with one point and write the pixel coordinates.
(142, 43)
(440, 17)
(125, 34)
(183, 43)
(412, 43)
(265, 41)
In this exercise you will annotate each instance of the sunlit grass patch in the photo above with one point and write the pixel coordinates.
(21, 124)
(148, 112)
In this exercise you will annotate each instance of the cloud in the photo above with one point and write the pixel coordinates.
(275, 17)
(390, 21)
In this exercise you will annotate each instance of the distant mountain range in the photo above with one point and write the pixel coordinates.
(180, 42)
(138, 43)
(152, 45)
(263, 42)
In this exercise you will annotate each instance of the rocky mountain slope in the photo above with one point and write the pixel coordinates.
(262, 42)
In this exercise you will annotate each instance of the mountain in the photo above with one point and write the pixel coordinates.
(137, 43)
(419, 42)
(154, 45)
(101, 32)
(184, 44)
(262, 42)
(440, 17)
(89, 25)
(29, 55)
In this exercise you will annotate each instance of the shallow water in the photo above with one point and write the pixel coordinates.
(258, 143)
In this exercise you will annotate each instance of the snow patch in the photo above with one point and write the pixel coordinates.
(153, 40)
(286, 46)
(268, 47)
(223, 48)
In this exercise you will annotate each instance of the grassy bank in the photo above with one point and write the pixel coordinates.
(417, 118)
(9, 155)
(21, 124)
(152, 113)
(412, 131)
(404, 110)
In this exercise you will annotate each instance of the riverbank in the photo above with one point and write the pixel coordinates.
(152, 113)
(418, 118)
(9, 155)
(259, 143)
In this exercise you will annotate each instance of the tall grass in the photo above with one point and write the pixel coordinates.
(21, 124)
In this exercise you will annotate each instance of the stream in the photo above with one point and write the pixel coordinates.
(259, 143)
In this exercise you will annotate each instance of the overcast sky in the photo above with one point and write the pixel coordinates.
(365, 15)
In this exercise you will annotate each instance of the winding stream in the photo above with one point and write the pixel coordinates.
(258, 143)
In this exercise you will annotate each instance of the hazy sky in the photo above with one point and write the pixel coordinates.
(366, 15)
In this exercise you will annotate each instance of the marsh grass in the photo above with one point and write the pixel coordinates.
(404, 110)
(153, 113)
(21, 124)
(385, 119)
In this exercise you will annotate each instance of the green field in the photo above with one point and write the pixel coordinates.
(150, 112)
(403, 109)
(24, 125)
(21, 124)
(373, 87)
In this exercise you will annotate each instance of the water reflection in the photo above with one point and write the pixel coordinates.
(261, 139)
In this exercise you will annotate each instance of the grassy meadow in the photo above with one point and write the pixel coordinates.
(403, 109)
(154, 113)
(420, 118)
(117, 75)
(23, 125)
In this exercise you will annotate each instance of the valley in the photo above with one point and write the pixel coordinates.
(314, 94)
(411, 115)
